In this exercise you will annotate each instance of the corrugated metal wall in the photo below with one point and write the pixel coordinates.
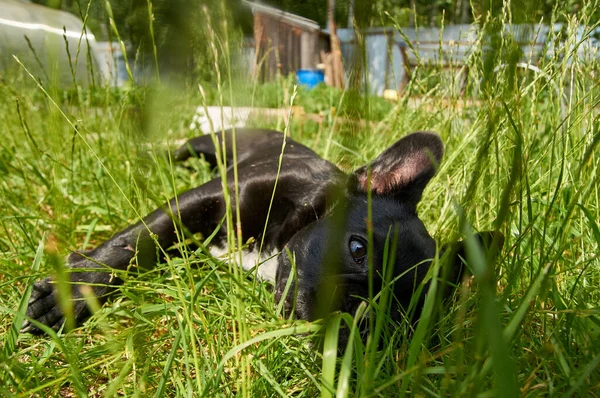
(385, 63)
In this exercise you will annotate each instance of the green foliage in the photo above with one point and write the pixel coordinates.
(180, 29)
(521, 158)
(433, 13)
(180, 33)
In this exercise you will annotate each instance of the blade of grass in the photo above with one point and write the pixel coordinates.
(10, 340)
(330, 350)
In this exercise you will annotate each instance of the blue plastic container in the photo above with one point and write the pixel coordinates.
(310, 77)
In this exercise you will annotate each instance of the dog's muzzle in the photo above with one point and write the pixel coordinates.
(296, 291)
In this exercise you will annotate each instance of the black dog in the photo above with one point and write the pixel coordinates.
(312, 210)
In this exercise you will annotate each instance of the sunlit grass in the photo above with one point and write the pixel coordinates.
(522, 161)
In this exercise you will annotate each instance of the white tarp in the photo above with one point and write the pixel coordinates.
(44, 40)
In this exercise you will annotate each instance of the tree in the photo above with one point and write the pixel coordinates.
(180, 30)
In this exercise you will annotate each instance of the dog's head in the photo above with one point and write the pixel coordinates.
(332, 255)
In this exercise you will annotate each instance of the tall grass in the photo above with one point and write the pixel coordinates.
(522, 161)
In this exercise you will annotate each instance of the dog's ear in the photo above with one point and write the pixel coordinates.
(404, 169)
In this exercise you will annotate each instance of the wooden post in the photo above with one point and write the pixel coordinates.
(306, 51)
(350, 14)
(326, 59)
(258, 36)
(338, 69)
(407, 68)
(389, 38)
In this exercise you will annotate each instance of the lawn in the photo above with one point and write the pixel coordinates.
(521, 159)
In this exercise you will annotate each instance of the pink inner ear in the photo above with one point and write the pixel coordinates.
(406, 171)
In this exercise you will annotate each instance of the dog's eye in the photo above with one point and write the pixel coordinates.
(358, 249)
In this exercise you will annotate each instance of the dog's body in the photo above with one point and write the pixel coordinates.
(312, 210)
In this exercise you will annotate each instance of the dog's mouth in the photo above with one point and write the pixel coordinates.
(311, 296)
(351, 278)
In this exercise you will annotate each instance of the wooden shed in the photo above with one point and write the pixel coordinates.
(284, 41)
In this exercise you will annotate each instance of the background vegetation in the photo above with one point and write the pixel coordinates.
(78, 166)
(182, 39)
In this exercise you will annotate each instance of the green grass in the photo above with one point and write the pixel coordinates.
(523, 161)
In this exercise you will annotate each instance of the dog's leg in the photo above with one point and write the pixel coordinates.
(202, 145)
(247, 140)
(198, 210)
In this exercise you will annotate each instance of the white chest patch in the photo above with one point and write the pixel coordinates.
(266, 262)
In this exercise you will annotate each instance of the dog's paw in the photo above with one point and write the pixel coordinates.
(44, 306)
